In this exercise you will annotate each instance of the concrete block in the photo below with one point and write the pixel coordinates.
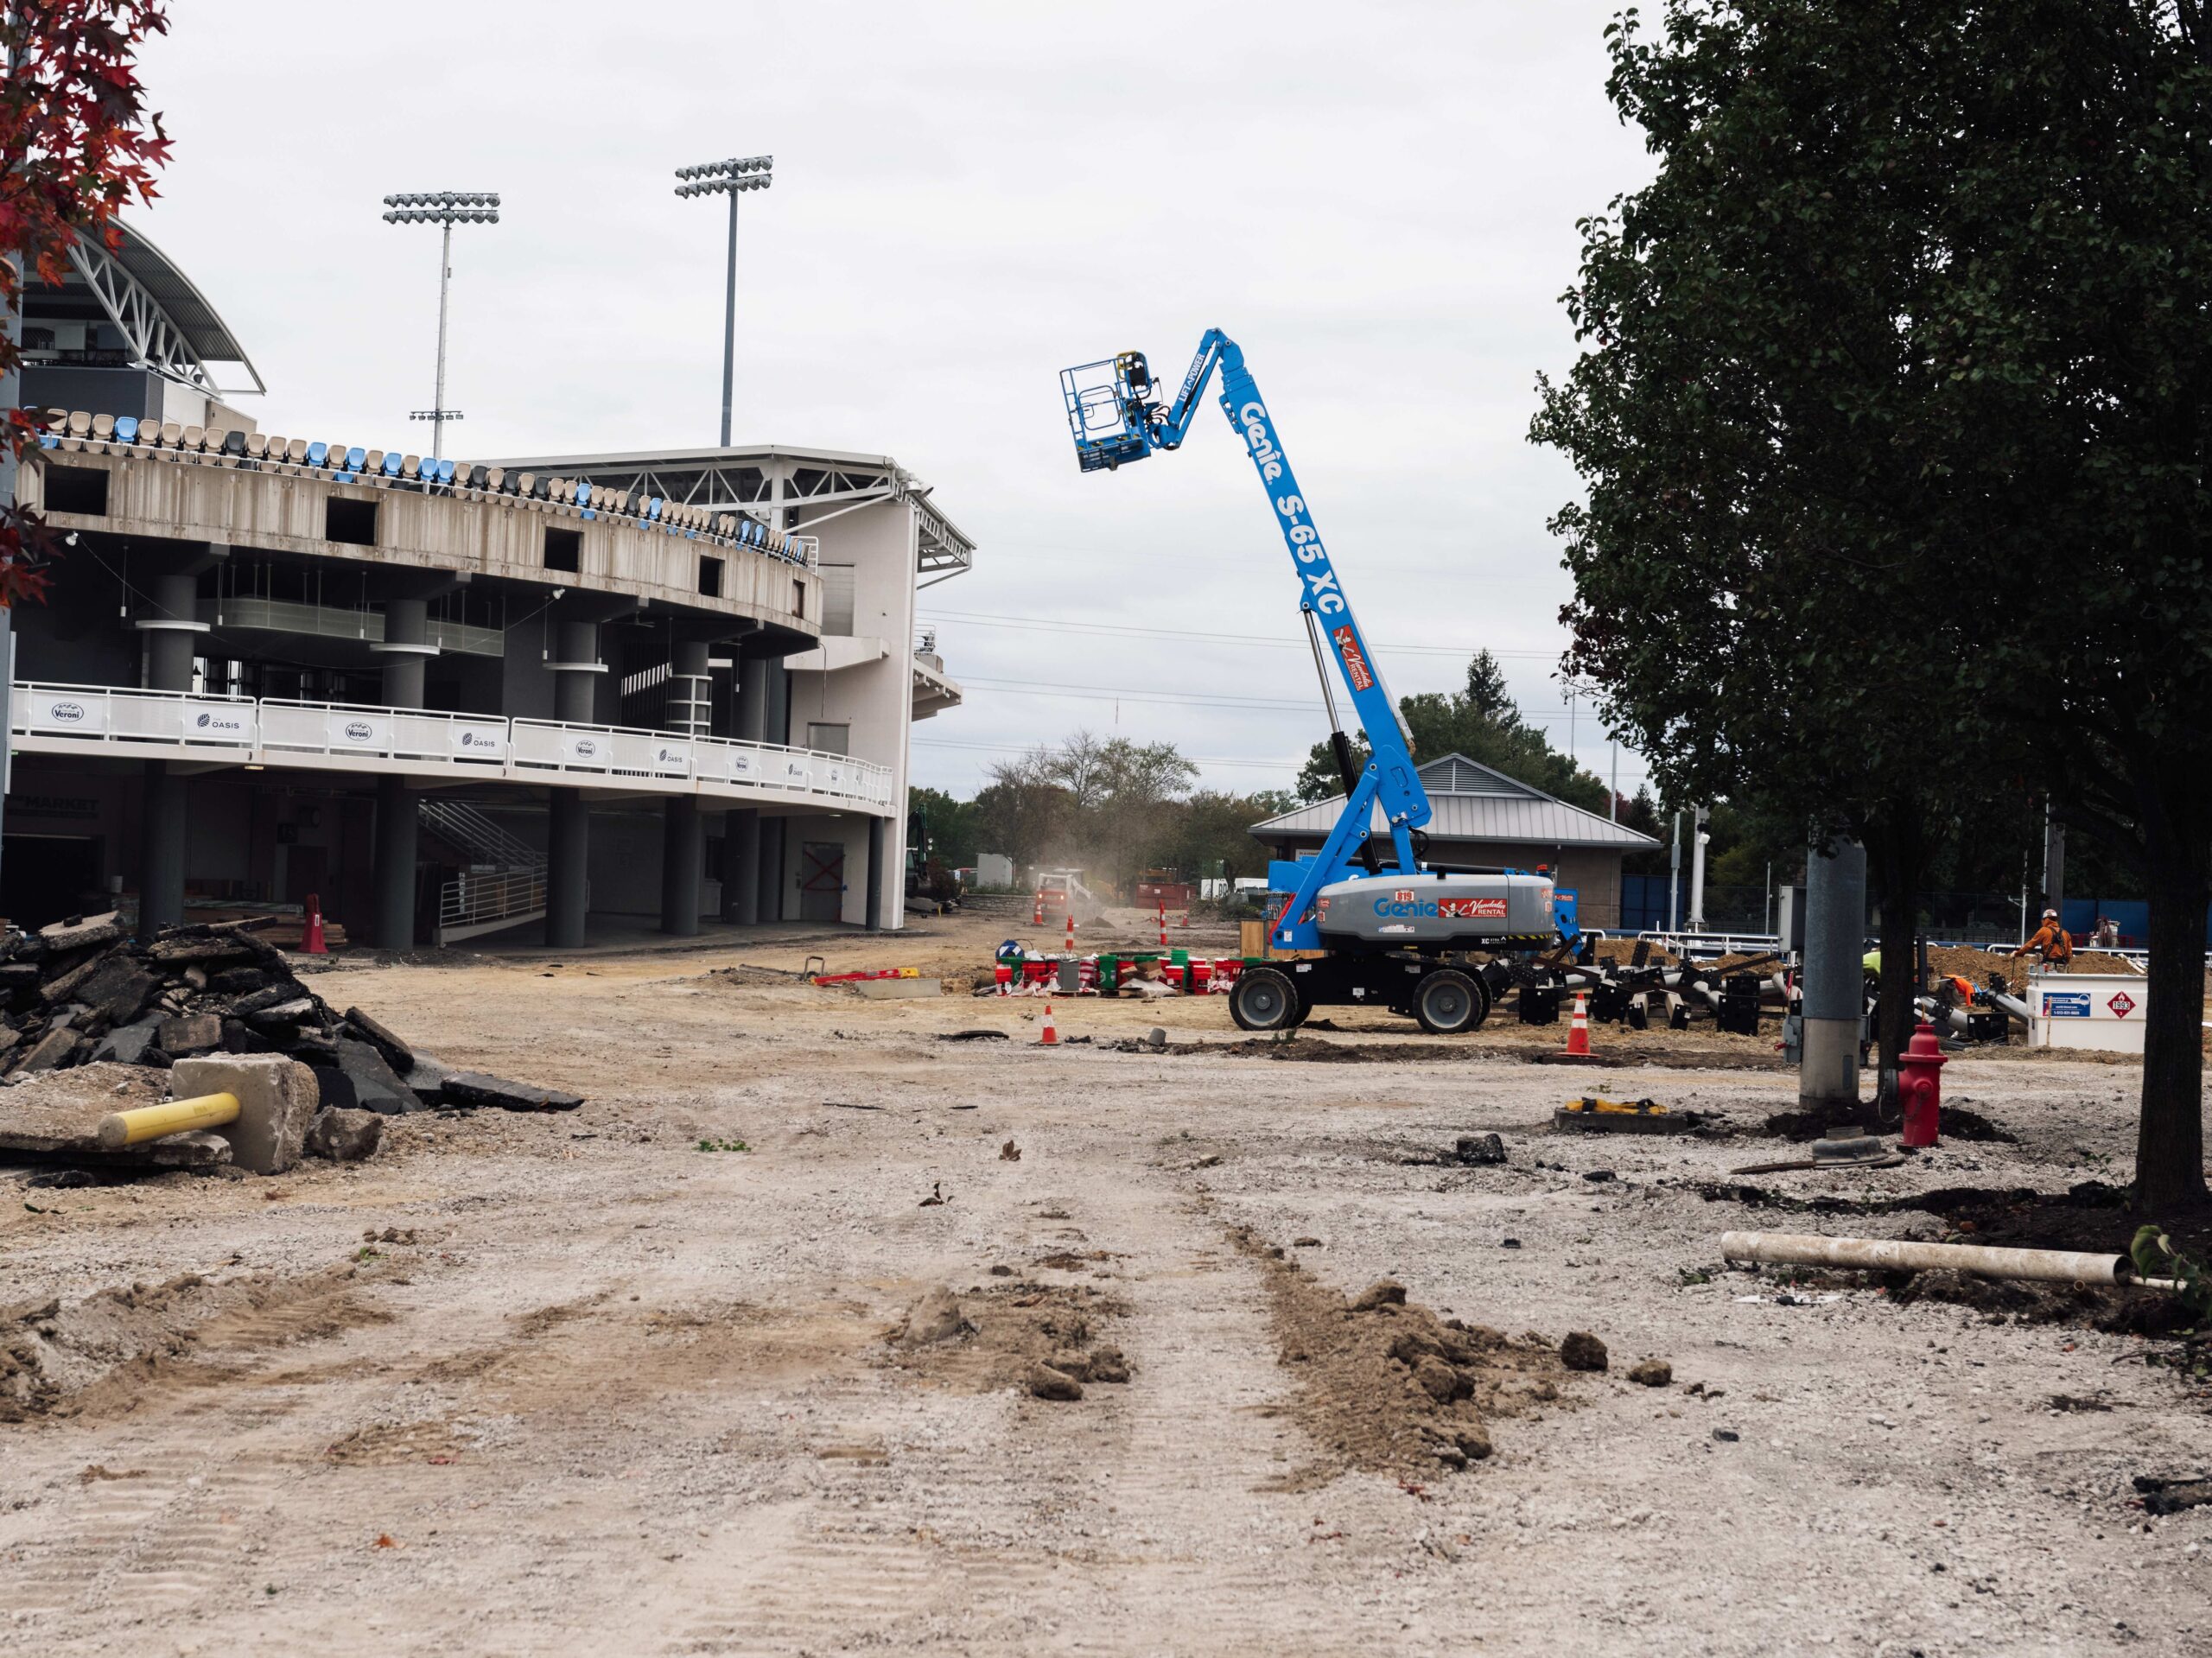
(85, 930)
(344, 1136)
(190, 1033)
(278, 1100)
(898, 989)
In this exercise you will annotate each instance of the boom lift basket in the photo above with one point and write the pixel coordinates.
(1107, 410)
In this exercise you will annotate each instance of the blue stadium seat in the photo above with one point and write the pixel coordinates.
(317, 453)
(126, 429)
(354, 458)
(446, 469)
(654, 511)
(583, 493)
(391, 463)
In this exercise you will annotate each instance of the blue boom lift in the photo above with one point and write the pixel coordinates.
(1389, 927)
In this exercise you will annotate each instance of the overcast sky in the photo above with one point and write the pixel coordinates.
(1377, 201)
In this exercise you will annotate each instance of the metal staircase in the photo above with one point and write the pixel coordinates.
(504, 885)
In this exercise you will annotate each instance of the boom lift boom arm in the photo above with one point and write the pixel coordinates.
(1116, 415)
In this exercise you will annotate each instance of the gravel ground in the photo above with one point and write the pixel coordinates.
(593, 1388)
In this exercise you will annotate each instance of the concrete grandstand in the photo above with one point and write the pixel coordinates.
(445, 700)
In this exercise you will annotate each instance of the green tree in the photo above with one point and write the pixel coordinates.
(1022, 811)
(1481, 722)
(1890, 425)
(946, 830)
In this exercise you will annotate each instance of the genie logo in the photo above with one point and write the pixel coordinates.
(1254, 419)
(359, 731)
(1449, 909)
(66, 714)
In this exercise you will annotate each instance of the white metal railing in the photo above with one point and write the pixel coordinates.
(462, 824)
(292, 728)
(470, 896)
(96, 714)
(91, 718)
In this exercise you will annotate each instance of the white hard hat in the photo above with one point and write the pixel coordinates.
(2050, 915)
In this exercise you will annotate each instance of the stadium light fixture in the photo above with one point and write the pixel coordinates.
(731, 178)
(444, 208)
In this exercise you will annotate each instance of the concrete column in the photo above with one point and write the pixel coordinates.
(741, 841)
(682, 848)
(568, 851)
(169, 650)
(772, 833)
(576, 673)
(875, 875)
(1834, 991)
(741, 866)
(752, 698)
(406, 624)
(162, 820)
(161, 850)
(393, 865)
(779, 701)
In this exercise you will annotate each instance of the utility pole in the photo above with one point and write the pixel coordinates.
(1697, 838)
(1675, 878)
(2054, 862)
(444, 208)
(731, 178)
(1613, 793)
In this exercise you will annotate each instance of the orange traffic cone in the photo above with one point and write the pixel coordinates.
(1051, 1038)
(1071, 932)
(1163, 924)
(311, 940)
(1037, 916)
(1577, 1032)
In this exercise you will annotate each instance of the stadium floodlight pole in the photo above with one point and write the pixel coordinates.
(731, 178)
(444, 208)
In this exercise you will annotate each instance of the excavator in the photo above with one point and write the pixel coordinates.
(1372, 923)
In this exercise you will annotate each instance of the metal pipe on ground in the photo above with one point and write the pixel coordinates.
(1892, 1255)
(134, 1128)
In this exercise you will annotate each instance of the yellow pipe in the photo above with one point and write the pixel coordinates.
(121, 1128)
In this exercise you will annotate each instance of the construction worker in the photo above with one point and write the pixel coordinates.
(2050, 941)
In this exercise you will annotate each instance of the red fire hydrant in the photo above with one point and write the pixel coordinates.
(1920, 1085)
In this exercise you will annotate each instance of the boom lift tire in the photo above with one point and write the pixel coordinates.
(1448, 1003)
(1264, 999)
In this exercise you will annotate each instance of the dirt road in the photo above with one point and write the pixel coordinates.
(572, 1383)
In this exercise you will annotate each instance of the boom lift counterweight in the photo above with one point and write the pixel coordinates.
(1385, 921)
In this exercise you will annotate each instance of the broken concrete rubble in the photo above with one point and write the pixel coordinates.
(81, 992)
(343, 1136)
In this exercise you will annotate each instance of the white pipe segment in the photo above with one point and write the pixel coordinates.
(1886, 1254)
